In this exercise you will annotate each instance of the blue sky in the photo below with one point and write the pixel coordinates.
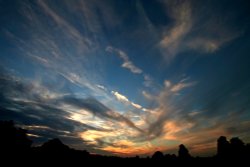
(127, 77)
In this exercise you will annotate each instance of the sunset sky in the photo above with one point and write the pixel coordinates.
(127, 77)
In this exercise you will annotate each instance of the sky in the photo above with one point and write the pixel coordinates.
(127, 77)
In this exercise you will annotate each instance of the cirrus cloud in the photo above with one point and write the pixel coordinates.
(126, 62)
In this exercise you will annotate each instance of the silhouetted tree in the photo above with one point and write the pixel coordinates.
(183, 152)
(237, 147)
(158, 155)
(223, 147)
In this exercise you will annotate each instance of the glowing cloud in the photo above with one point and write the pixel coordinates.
(120, 97)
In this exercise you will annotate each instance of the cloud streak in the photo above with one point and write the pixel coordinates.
(186, 32)
(179, 86)
(126, 62)
(120, 97)
(99, 110)
(125, 100)
(182, 16)
(73, 32)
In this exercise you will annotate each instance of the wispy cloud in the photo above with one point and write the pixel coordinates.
(166, 109)
(179, 86)
(84, 114)
(63, 51)
(99, 110)
(182, 84)
(101, 87)
(187, 31)
(167, 83)
(116, 142)
(72, 31)
(125, 100)
(126, 62)
(210, 45)
(120, 97)
(138, 106)
(172, 39)
(148, 81)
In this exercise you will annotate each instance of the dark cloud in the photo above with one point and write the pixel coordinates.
(22, 102)
(98, 109)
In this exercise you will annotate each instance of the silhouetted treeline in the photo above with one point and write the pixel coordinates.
(233, 149)
(15, 147)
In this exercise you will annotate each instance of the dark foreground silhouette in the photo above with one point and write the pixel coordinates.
(15, 148)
